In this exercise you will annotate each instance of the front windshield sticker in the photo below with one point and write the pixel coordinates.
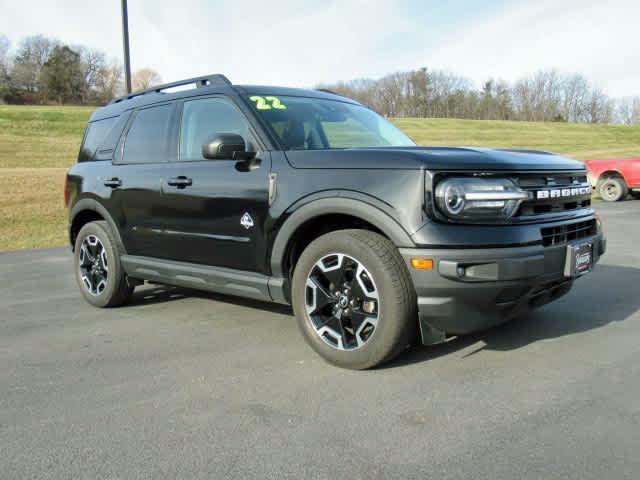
(267, 103)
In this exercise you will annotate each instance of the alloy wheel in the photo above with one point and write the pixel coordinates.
(93, 265)
(342, 301)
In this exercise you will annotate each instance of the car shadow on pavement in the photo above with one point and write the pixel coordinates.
(610, 294)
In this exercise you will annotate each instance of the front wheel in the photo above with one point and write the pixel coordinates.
(612, 189)
(99, 273)
(353, 299)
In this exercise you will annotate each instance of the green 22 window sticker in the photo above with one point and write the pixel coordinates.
(268, 103)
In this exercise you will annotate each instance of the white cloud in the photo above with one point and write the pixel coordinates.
(598, 39)
(277, 42)
(292, 42)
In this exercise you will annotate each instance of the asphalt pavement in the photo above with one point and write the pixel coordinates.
(186, 385)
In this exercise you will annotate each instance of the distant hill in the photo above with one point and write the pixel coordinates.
(581, 141)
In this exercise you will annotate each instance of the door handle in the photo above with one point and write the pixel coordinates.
(113, 183)
(180, 182)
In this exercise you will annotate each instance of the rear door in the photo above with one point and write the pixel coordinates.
(217, 214)
(140, 163)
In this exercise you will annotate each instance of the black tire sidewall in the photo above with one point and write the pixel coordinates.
(115, 273)
(392, 316)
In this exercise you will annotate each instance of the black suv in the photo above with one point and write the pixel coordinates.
(311, 199)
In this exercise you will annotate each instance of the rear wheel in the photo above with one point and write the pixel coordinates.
(99, 273)
(612, 189)
(353, 299)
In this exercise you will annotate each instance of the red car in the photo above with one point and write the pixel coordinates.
(614, 179)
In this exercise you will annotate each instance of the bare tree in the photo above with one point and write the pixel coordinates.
(4, 66)
(575, 98)
(44, 70)
(92, 61)
(33, 52)
(599, 107)
(487, 100)
(446, 93)
(145, 78)
(4, 50)
(543, 96)
(635, 111)
(629, 110)
(109, 82)
(546, 96)
(538, 98)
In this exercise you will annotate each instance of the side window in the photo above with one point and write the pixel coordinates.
(206, 117)
(94, 137)
(148, 138)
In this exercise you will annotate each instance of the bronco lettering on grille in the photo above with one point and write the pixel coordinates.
(563, 192)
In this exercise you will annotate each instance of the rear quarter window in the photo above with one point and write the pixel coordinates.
(94, 137)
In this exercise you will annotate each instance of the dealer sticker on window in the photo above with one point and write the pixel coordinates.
(268, 103)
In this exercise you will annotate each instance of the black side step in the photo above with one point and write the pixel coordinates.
(203, 277)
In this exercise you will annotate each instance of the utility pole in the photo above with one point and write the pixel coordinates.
(125, 44)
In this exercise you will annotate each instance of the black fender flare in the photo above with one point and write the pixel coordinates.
(91, 204)
(360, 206)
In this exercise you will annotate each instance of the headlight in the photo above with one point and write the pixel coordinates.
(479, 198)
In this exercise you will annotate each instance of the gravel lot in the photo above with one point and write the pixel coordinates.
(188, 385)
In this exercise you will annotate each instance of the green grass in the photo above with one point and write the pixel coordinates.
(36, 137)
(32, 212)
(39, 144)
(574, 140)
(37, 147)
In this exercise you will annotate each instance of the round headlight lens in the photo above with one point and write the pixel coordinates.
(454, 198)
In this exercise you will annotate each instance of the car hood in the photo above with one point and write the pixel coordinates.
(431, 158)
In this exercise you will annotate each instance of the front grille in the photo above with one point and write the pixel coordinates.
(566, 233)
(553, 193)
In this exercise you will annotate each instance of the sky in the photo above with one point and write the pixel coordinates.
(304, 43)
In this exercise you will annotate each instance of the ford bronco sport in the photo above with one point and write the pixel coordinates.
(308, 198)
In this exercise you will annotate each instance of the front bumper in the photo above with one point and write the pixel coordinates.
(473, 289)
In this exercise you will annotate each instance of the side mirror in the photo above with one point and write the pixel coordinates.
(226, 146)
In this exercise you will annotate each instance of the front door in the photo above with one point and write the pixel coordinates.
(215, 210)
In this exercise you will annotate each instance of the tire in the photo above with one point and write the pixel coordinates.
(612, 189)
(99, 273)
(379, 318)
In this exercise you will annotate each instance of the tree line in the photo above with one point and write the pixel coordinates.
(44, 70)
(546, 96)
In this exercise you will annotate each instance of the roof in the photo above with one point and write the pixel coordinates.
(206, 85)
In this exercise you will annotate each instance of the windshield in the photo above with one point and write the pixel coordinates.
(302, 123)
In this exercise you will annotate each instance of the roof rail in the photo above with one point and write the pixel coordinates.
(206, 81)
(326, 90)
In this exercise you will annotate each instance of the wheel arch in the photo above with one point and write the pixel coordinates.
(612, 172)
(345, 212)
(88, 210)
